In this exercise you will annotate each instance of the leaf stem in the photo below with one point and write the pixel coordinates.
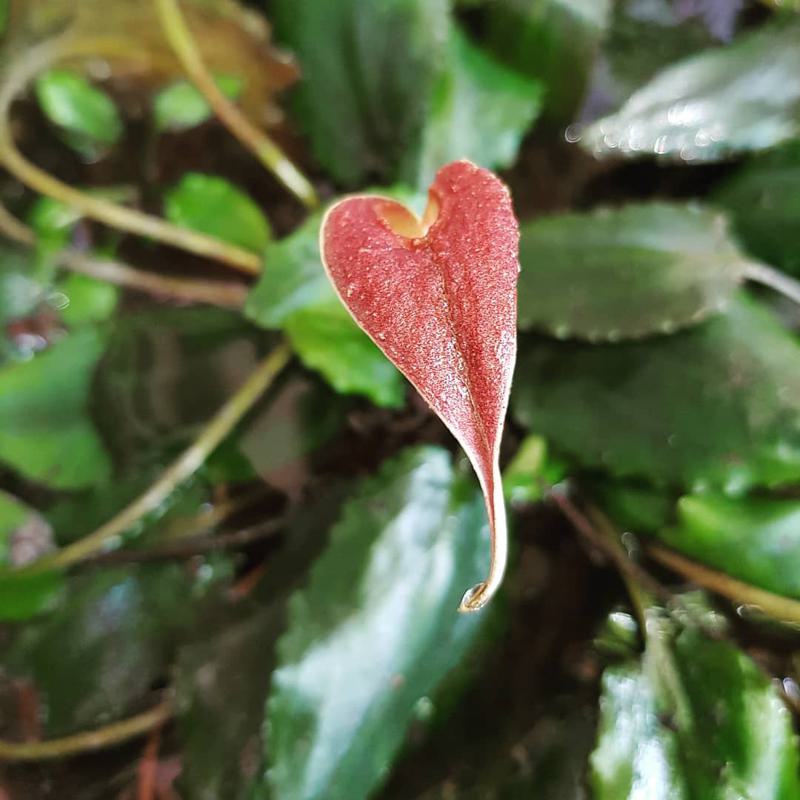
(16, 80)
(774, 279)
(774, 605)
(88, 741)
(179, 471)
(255, 140)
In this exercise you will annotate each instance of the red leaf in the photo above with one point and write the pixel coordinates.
(439, 298)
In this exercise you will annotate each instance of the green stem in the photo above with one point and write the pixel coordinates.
(179, 471)
(17, 78)
(255, 140)
(88, 741)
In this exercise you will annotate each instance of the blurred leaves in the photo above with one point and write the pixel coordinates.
(45, 429)
(181, 105)
(626, 273)
(480, 111)
(87, 116)
(714, 407)
(368, 71)
(211, 205)
(742, 97)
(395, 569)
(695, 719)
(19, 290)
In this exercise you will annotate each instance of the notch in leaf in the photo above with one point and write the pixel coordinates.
(438, 295)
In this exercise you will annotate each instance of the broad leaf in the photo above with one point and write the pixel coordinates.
(763, 199)
(554, 41)
(181, 105)
(211, 205)
(718, 406)
(626, 273)
(439, 298)
(45, 430)
(368, 70)
(480, 111)
(725, 100)
(696, 719)
(393, 572)
(86, 115)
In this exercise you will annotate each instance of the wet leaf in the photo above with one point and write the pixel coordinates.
(763, 199)
(377, 64)
(397, 562)
(722, 101)
(87, 116)
(626, 273)
(211, 205)
(480, 111)
(438, 296)
(554, 41)
(181, 105)
(696, 719)
(45, 429)
(714, 407)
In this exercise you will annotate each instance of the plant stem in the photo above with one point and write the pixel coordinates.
(774, 279)
(17, 78)
(179, 471)
(774, 605)
(98, 739)
(255, 140)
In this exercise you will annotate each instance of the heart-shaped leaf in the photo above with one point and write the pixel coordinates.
(438, 296)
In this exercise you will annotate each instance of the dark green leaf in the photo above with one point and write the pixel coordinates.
(554, 41)
(326, 339)
(211, 205)
(627, 273)
(25, 595)
(393, 574)
(368, 70)
(717, 406)
(722, 101)
(480, 112)
(88, 118)
(181, 105)
(764, 202)
(45, 430)
(754, 539)
(696, 720)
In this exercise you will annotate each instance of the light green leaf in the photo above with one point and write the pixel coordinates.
(328, 340)
(480, 112)
(697, 719)
(763, 199)
(213, 206)
(375, 630)
(554, 41)
(626, 273)
(87, 299)
(19, 290)
(181, 105)
(45, 430)
(714, 407)
(530, 471)
(368, 70)
(722, 101)
(89, 119)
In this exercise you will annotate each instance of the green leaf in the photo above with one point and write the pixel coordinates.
(554, 41)
(87, 299)
(211, 205)
(755, 539)
(626, 273)
(26, 595)
(726, 100)
(530, 471)
(393, 573)
(763, 200)
(45, 430)
(89, 119)
(328, 340)
(181, 105)
(368, 70)
(480, 111)
(20, 291)
(13, 515)
(697, 719)
(714, 407)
